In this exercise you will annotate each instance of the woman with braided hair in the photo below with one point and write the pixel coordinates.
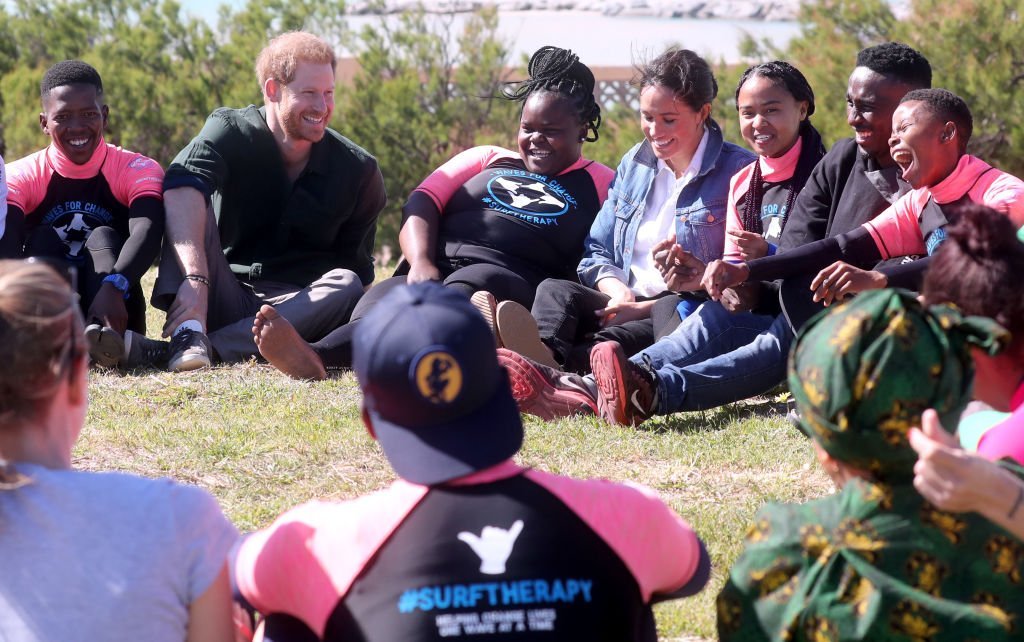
(89, 555)
(490, 219)
(673, 184)
(775, 103)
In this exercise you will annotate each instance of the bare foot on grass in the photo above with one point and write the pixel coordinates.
(283, 348)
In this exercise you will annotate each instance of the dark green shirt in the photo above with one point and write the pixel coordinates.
(270, 228)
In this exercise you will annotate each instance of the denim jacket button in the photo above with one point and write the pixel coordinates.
(711, 218)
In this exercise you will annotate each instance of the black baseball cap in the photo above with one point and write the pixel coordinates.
(441, 405)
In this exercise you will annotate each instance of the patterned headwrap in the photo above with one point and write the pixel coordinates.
(863, 373)
(876, 561)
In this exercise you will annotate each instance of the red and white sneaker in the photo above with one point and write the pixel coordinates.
(627, 393)
(545, 392)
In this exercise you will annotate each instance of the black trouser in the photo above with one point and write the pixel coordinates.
(101, 251)
(565, 314)
(335, 350)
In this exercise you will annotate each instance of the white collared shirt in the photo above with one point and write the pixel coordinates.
(658, 221)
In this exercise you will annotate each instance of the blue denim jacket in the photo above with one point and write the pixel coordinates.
(700, 210)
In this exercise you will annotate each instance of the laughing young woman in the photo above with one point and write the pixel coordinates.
(931, 129)
(674, 183)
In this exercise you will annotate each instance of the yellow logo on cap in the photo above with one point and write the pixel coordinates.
(439, 377)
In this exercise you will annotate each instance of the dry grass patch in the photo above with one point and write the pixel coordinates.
(262, 443)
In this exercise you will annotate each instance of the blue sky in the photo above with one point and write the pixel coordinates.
(207, 9)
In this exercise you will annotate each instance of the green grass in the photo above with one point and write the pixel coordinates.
(262, 443)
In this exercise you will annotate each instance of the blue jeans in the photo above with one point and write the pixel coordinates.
(716, 357)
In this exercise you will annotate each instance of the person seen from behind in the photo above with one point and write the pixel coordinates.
(466, 542)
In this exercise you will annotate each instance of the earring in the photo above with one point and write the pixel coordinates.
(583, 139)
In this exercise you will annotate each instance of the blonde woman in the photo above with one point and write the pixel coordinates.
(89, 556)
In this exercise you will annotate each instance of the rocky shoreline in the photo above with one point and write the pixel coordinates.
(723, 9)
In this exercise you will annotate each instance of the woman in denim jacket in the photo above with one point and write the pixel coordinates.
(673, 184)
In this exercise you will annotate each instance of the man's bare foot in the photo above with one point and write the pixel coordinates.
(283, 348)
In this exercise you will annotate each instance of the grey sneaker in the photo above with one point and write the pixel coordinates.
(189, 350)
(106, 346)
(140, 351)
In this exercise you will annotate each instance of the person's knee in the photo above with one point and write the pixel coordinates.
(548, 285)
(103, 238)
(339, 279)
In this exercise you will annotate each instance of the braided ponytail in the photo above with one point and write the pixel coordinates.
(811, 150)
(560, 71)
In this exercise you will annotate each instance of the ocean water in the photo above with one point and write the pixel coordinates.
(614, 41)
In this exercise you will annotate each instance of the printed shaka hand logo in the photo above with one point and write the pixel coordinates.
(493, 546)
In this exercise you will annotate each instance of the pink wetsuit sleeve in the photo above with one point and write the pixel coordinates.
(27, 179)
(658, 547)
(737, 188)
(1006, 194)
(306, 561)
(896, 231)
(446, 179)
(602, 177)
(133, 176)
(1005, 439)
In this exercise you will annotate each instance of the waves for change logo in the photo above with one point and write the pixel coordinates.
(527, 194)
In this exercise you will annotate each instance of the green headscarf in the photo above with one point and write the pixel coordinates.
(876, 561)
(863, 373)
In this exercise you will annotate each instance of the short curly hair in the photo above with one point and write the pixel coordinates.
(70, 72)
(898, 61)
(947, 106)
(282, 55)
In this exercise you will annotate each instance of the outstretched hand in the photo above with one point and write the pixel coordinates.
(720, 275)
(750, 244)
(680, 269)
(619, 312)
(108, 307)
(422, 271)
(840, 280)
(190, 304)
(945, 474)
(742, 298)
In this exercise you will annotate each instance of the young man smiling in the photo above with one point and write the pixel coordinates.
(88, 204)
(265, 205)
(930, 132)
(928, 143)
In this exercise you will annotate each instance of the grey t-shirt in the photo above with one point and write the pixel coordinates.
(105, 556)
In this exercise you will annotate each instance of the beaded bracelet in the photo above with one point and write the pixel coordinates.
(1016, 504)
(198, 278)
